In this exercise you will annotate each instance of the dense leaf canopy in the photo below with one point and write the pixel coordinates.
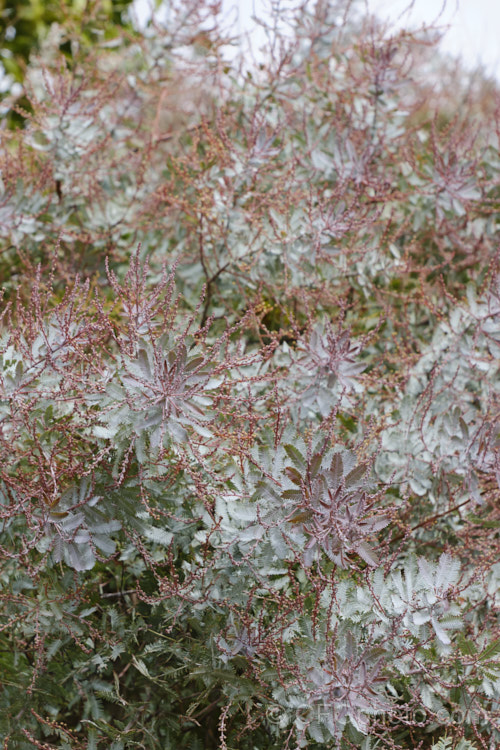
(249, 385)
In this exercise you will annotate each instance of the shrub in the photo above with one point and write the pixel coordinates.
(249, 439)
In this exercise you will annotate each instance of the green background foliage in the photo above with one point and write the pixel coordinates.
(26, 24)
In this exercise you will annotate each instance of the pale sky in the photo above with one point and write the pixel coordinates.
(473, 31)
(471, 27)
